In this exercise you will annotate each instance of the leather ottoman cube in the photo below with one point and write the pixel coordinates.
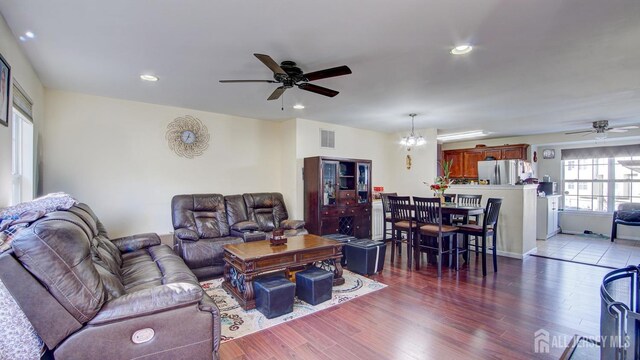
(344, 239)
(314, 285)
(365, 257)
(274, 296)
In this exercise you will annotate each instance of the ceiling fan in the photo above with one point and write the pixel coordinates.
(602, 127)
(289, 75)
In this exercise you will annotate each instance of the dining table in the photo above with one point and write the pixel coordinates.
(449, 209)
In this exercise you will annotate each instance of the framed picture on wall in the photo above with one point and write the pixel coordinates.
(5, 81)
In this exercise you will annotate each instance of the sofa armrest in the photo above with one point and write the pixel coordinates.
(148, 301)
(292, 224)
(136, 242)
(186, 234)
(245, 226)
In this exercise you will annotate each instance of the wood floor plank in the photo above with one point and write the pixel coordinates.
(459, 316)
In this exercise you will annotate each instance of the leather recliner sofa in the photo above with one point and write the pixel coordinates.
(90, 297)
(204, 223)
(201, 229)
(269, 212)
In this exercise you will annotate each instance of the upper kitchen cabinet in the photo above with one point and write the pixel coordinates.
(465, 161)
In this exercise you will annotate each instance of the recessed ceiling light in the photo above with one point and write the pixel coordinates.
(148, 77)
(30, 34)
(298, 106)
(461, 49)
(22, 38)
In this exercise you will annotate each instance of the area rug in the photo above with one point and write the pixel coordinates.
(237, 322)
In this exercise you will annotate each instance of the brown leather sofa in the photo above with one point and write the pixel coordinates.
(90, 297)
(201, 229)
(204, 223)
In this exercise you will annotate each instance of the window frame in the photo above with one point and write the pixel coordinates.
(610, 182)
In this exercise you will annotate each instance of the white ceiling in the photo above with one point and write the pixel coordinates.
(538, 66)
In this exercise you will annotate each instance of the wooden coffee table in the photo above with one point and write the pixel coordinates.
(244, 262)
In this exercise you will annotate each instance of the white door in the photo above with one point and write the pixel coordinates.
(22, 159)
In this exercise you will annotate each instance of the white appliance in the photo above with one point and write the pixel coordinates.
(504, 172)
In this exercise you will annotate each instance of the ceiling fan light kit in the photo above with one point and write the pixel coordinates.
(289, 75)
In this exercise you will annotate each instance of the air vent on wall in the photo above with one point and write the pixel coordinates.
(327, 139)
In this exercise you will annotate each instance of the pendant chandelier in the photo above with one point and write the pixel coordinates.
(412, 139)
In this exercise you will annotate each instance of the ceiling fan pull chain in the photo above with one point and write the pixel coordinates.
(282, 106)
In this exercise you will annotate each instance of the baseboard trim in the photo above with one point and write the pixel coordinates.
(516, 255)
(635, 238)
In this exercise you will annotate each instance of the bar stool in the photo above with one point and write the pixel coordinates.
(489, 228)
(402, 222)
(429, 217)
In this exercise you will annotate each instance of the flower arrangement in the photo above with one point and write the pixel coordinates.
(442, 183)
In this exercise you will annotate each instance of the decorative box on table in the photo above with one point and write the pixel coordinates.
(365, 257)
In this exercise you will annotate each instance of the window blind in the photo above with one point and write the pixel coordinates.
(600, 152)
(22, 102)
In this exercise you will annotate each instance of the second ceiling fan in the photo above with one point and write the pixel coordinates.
(289, 75)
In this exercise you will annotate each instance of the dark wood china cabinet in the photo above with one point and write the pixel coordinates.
(337, 196)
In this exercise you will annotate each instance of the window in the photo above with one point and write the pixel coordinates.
(22, 168)
(601, 184)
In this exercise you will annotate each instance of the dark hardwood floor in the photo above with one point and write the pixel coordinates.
(460, 316)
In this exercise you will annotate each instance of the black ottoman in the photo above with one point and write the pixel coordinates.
(365, 257)
(314, 285)
(344, 239)
(274, 296)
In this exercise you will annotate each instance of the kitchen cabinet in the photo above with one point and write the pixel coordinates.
(457, 164)
(547, 217)
(470, 163)
(337, 196)
(465, 161)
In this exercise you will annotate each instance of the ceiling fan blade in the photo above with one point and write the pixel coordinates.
(327, 73)
(623, 128)
(617, 130)
(579, 132)
(248, 81)
(277, 93)
(271, 64)
(318, 89)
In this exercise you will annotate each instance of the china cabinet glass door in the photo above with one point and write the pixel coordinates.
(329, 176)
(363, 183)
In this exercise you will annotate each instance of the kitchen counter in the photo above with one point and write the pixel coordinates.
(517, 221)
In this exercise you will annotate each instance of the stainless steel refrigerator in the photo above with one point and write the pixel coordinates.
(503, 172)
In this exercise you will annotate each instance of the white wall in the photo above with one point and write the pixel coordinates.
(350, 143)
(112, 154)
(424, 160)
(21, 72)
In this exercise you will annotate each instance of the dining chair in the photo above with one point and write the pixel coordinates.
(428, 213)
(487, 229)
(467, 200)
(386, 215)
(450, 198)
(402, 221)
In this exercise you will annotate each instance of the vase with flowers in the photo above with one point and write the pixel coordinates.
(442, 183)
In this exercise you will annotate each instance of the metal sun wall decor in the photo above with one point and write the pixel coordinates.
(187, 136)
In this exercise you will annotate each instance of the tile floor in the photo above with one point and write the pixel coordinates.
(592, 250)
